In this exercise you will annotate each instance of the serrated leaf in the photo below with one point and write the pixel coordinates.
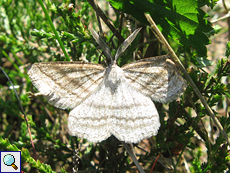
(181, 20)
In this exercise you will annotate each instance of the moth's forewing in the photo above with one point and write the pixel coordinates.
(66, 84)
(156, 77)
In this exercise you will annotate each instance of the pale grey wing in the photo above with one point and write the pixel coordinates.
(90, 119)
(126, 113)
(66, 84)
(156, 77)
(135, 116)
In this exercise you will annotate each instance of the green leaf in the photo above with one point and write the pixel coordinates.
(211, 3)
(227, 94)
(181, 20)
(227, 53)
(216, 29)
(42, 34)
(203, 62)
(216, 98)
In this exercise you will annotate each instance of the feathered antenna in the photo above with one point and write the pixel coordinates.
(102, 44)
(121, 48)
(126, 43)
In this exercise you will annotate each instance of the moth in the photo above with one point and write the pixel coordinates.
(110, 100)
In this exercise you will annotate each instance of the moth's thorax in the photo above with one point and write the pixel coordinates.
(113, 77)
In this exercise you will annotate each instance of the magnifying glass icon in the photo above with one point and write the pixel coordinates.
(9, 160)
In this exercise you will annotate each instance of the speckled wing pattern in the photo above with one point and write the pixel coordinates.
(112, 100)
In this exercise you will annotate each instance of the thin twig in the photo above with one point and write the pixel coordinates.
(174, 57)
(155, 163)
(202, 123)
(25, 116)
(228, 19)
(54, 30)
(106, 20)
(221, 18)
(227, 79)
(99, 24)
(186, 164)
(133, 157)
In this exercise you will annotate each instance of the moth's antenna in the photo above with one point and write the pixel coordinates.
(102, 44)
(126, 43)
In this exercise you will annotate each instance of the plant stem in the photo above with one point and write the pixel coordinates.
(106, 20)
(174, 57)
(54, 30)
(133, 157)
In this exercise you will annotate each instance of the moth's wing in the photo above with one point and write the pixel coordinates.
(126, 113)
(135, 116)
(66, 84)
(89, 120)
(156, 77)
